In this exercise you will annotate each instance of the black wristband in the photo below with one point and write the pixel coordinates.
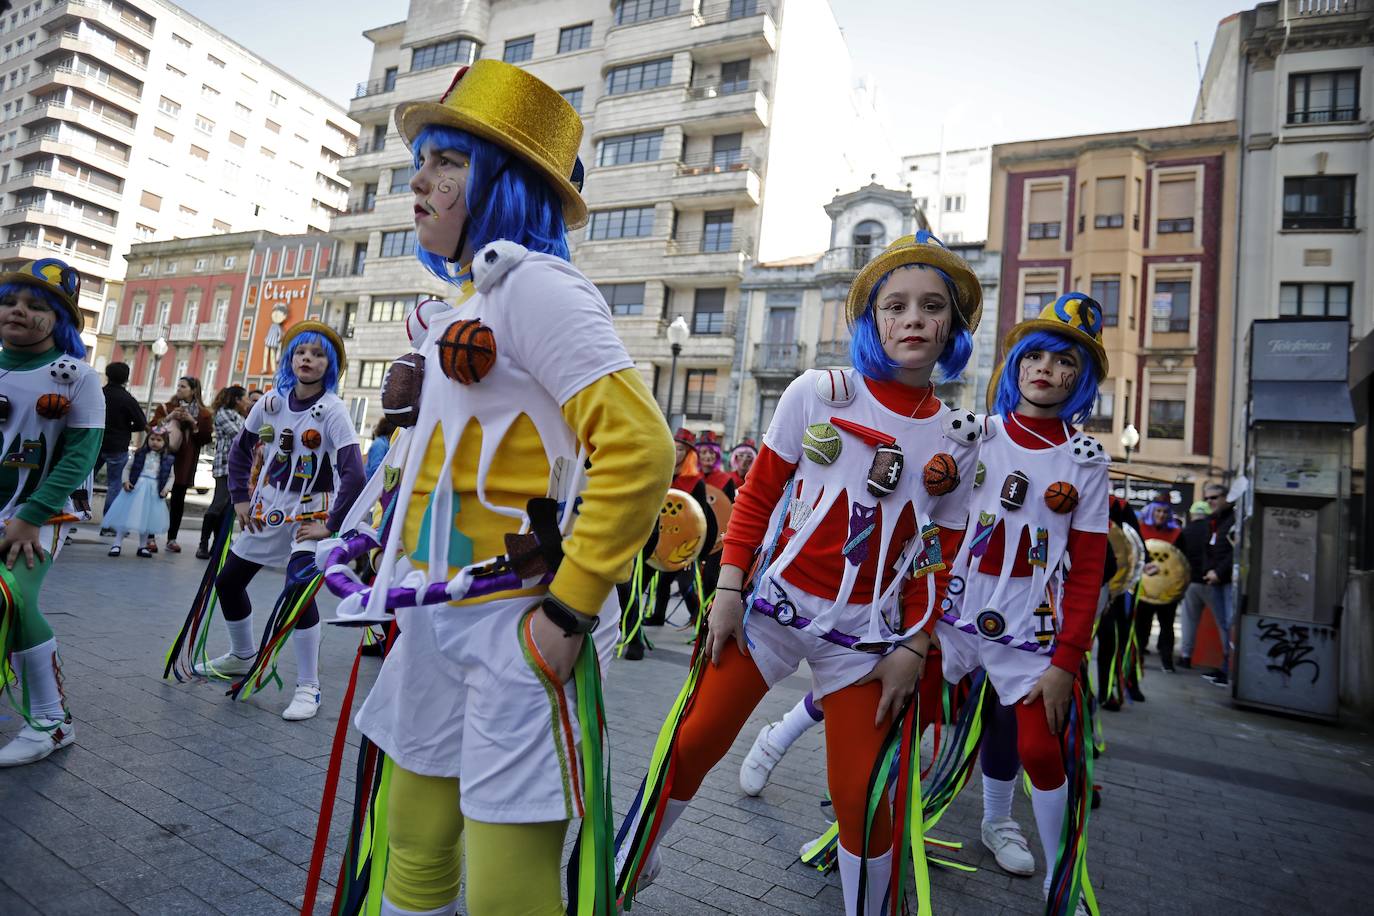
(571, 622)
(726, 588)
(902, 645)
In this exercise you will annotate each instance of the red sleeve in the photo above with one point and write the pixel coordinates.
(914, 591)
(754, 507)
(1087, 552)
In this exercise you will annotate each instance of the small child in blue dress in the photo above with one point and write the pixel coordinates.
(142, 506)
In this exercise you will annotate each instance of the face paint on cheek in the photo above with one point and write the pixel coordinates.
(889, 328)
(1067, 379)
(941, 329)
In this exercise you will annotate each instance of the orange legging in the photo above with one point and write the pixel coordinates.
(727, 695)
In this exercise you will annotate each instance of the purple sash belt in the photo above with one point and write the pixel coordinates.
(785, 613)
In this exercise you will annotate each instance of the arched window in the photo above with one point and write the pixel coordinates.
(869, 238)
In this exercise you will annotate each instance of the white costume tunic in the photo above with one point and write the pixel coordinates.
(29, 441)
(818, 397)
(463, 693)
(296, 481)
(1007, 624)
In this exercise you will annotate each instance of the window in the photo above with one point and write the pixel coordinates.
(1176, 205)
(181, 43)
(169, 268)
(271, 125)
(1321, 98)
(1045, 215)
(400, 179)
(1111, 204)
(359, 259)
(371, 372)
(922, 203)
(1172, 306)
(708, 311)
(389, 79)
(167, 106)
(204, 124)
(151, 201)
(215, 61)
(575, 38)
(574, 98)
(175, 71)
(1168, 411)
(727, 150)
(454, 50)
(1101, 420)
(266, 153)
(242, 111)
(1301, 300)
(641, 10)
(738, 9)
(144, 233)
(395, 244)
(275, 99)
(230, 260)
(718, 230)
(200, 153)
(642, 147)
(1107, 291)
(1038, 294)
(699, 400)
(634, 77)
(734, 77)
(629, 223)
(518, 50)
(623, 298)
(1319, 202)
(390, 308)
(954, 203)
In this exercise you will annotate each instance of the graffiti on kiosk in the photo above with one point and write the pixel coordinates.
(1288, 648)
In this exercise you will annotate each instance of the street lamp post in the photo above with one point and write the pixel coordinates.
(1130, 438)
(159, 349)
(678, 333)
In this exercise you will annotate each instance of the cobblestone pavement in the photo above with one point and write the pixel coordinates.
(175, 800)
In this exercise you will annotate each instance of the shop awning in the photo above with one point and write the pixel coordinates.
(1301, 402)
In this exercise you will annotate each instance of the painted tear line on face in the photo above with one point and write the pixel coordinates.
(941, 329)
(890, 330)
(1026, 375)
(1068, 379)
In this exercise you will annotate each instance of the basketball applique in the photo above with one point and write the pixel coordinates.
(467, 351)
(401, 389)
(53, 406)
(941, 474)
(821, 443)
(1062, 497)
(991, 624)
(311, 438)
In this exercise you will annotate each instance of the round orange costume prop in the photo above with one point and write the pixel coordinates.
(681, 532)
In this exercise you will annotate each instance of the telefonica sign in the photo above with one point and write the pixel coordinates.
(1299, 351)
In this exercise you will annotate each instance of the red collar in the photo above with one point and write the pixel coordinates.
(904, 399)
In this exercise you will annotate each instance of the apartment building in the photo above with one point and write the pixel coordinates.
(952, 188)
(125, 121)
(793, 309)
(1297, 76)
(1143, 221)
(219, 304)
(713, 140)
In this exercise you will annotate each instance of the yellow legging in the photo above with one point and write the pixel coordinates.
(513, 869)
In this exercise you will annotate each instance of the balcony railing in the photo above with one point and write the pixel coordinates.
(1324, 115)
(346, 269)
(714, 90)
(847, 258)
(831, 353)
(212, 331)
(698, 408)
(730, 10)
(57, 108)
(100, 8)
(710, 243)
(771, 358)
(183, 333)
(127, 333)
(370, 145)
(375, 87)
(152, 331)
(68, 212)
(717, 161)
(104, 79)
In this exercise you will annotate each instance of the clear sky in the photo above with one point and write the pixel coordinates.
(986, 72)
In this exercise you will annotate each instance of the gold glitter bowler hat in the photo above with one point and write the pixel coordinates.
(1072, 315)
(324, 331)
(921, 248)
(515, 110)
(56, 276)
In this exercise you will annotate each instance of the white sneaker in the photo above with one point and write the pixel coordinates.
(759, 762)
(1006, 843)
(226, 666)
(304, 705)
(33, 744)
(652, 866)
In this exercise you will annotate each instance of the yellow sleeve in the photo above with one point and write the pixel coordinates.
(631, 454)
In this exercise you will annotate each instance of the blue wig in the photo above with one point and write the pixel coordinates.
(866, 348)
(65, 336)
(1078, 407)
(286, 376)
(505, 198)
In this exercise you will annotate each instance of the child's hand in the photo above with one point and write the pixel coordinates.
(128, 488)
(313, 530)
(164, 494)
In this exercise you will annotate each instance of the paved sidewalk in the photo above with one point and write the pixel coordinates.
(176, 800)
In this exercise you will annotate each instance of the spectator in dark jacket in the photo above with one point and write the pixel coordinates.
(1193, 543)
(1217, 572)
(123, 418)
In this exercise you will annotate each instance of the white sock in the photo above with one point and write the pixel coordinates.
(37, 667)
(1049, 808)
(792, 726)
(241, 637)
(875, 885)
(997, 796)
(391, 909)
(307, 646)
